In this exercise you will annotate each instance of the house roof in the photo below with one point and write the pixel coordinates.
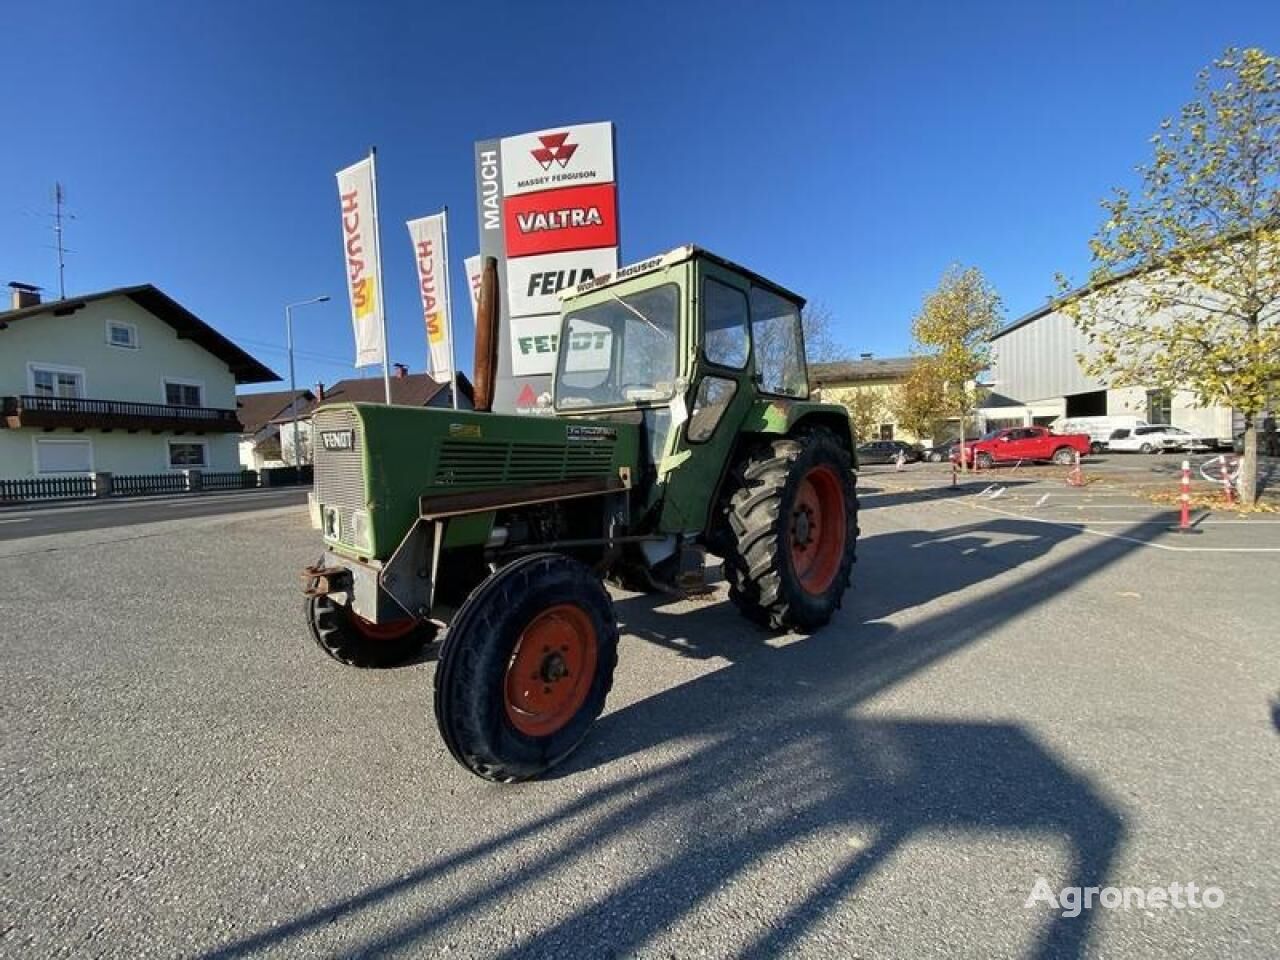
(854, 371)
(1135, 270)
(410, 390)
(243, 367)
(256, 410)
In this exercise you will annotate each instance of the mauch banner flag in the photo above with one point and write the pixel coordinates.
(360, 249)
(473, 284)
(428, 236)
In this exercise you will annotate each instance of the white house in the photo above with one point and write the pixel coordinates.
(125, 381)
(260, 414)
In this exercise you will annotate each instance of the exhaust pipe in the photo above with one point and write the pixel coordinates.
(486, 353)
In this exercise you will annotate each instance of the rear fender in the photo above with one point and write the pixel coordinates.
(780, 417)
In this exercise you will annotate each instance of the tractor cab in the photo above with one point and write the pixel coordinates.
(683, 340)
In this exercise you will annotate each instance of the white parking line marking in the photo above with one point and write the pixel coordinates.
(17, 520)
(1083, 528)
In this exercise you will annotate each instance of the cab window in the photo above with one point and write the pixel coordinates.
(779, 345)
(724, 319)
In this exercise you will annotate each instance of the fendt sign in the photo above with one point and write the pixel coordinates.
(548, 211)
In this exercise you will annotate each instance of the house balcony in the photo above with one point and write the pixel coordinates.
(79, 413)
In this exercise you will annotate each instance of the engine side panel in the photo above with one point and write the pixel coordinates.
(373, 463)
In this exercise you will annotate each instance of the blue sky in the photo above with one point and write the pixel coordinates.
(850, 151)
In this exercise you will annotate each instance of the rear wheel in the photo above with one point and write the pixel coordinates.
(1146, 448)
(1064, 455)
(1097, 447)
(794, 518)
(525, 667)
(349, 638)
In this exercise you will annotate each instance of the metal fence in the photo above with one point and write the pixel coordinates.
(239, 480)
(99, 485)
(145, 483)
(45, 488)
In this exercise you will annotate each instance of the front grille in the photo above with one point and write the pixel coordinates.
(339, 474)
(496, 463)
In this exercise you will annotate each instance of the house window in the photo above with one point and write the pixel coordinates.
(63, 456)
(180, 394)
(122, 335)
(53, 381)
(185, 454)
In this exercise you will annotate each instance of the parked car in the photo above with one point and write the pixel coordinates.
(886, 451)
(943, 451)
(1154, 437)
(1026, 443)
(1099, 429)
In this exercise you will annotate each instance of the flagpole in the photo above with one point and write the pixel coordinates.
(377, 267)
(448, 299)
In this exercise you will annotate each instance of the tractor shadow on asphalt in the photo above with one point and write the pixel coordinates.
(718, 779)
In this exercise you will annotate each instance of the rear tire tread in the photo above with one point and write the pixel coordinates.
(761, 583)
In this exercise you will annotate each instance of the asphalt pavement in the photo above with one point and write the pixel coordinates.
(33, 520)
(1001, 700)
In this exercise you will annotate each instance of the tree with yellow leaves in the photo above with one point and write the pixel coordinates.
(952, 334)
(1185, 290)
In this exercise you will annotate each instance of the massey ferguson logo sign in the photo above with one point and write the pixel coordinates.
(554, 149)
(551, 159)
(576, 218)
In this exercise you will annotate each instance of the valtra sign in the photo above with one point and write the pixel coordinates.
(577, 218)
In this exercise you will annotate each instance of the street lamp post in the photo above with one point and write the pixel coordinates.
(293, 387)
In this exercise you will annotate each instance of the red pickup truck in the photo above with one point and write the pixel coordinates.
(1025, 443)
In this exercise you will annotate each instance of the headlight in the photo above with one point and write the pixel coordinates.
(360, 529)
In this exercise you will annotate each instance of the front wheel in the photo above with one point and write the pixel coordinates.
(349, 638)
(525, 667)
(793, 515)
(985, 461)
(935, 458)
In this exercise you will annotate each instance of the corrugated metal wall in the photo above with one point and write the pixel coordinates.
(1038, 361)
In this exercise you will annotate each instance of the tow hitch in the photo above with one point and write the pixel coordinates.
(321, 580)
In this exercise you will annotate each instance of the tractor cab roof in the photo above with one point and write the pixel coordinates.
(671, 258)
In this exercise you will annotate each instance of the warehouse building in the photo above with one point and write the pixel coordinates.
(1035, 379)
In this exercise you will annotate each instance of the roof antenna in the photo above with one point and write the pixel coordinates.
(59, 198)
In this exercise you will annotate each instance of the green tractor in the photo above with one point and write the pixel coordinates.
(679, 422)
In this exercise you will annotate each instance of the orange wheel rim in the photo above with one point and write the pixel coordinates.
(816, 529)
(392, 630)
(551, 670)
